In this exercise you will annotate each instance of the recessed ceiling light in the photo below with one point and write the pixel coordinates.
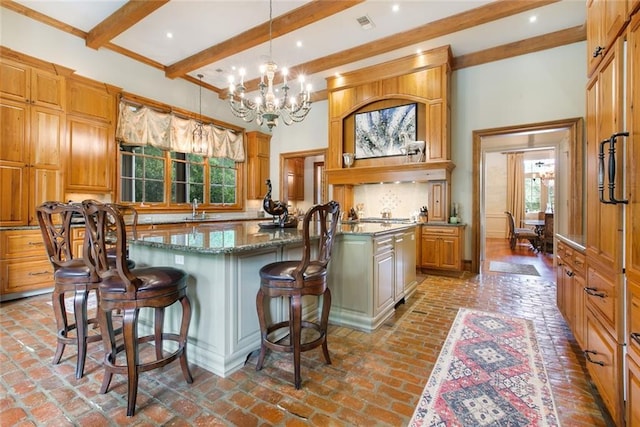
(395, 7)
(299, 43)
(533, 18)
(418, 51)
(169, 35)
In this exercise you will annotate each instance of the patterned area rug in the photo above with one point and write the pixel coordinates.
(490, 372)
(512, 268)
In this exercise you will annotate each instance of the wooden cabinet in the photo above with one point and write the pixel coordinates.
(23, 83)
(605, 21)
(442, 247)
(24, 266)
(258, 146)
(91, 118)
(294, 173)
(570, 284)
(32, 135)
(632, 225)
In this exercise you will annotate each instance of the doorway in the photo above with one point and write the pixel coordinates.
(316, 188)
(564, 137)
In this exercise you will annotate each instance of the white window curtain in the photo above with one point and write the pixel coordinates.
(142, 126)
(515, 186)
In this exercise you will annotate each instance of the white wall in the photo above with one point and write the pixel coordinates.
(542, 86)
(537, 87)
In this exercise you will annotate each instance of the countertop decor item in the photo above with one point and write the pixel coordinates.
(348, 159)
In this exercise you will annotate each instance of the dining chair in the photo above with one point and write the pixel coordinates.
(520, 233)
(293, 280)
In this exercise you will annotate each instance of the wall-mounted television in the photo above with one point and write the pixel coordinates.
(384, 132)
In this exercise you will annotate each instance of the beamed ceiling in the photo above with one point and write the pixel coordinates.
(319, 38)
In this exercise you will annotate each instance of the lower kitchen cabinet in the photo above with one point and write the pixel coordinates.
(442, 247)
(633, 353)
(24, 267)
(369, 275)
(570, 285)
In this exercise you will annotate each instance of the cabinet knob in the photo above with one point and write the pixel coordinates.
(598, 51)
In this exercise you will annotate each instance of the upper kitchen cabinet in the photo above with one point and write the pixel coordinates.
(91, 119)
(605, 21)
(294, 172)
(32, 135)
(32, 85)
(258, 146)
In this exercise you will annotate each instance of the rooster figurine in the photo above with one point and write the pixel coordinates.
(279, 211)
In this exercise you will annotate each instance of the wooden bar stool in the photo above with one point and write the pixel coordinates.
(127, 291)
(295, 279)
(71, 275)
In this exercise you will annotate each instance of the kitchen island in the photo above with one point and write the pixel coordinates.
(223, 260)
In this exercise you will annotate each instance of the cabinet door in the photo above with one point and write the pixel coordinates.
(258, 147)
(401, 256)
(604, 117)
(632, 226)
(15, 80)
(605, 19)
(449, 249)
(14, 160)
(92, 145)
(633, 390)
(383, 281)
(47, 89)
(429, 251)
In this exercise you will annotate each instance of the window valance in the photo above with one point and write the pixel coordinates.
(142, 126)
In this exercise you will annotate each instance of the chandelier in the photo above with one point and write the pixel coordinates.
(199, 132)
(267, 107)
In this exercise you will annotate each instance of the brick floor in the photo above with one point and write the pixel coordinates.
(375, 379)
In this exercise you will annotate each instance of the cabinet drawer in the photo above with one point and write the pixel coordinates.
(633, 319)
(28, 275)
(579, 263)
(446, 231)
(601, 298)
(21, 243)
(383, 245)
(604, 365)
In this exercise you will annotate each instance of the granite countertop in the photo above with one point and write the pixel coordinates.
(232, 237)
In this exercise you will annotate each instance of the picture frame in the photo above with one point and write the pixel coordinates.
(385, 132)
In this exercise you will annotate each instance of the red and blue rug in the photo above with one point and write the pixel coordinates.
(490, 372)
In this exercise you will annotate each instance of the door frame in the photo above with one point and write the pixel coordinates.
(575, 175)
(306, 153)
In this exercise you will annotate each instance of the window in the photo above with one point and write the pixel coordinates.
(213, 181)
(142, 176)
(539, 194)
(187, 177)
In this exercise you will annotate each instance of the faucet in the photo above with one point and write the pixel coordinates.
(194, 206)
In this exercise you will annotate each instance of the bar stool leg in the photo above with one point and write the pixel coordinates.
(324, 323)
(263, 329)
(296, 335)
(80, 315)
(57, 299)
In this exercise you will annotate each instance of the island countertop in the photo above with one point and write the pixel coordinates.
(231, 237)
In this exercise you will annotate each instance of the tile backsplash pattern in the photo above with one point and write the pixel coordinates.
(403, 199)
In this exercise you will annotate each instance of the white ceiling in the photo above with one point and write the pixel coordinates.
(199, 24)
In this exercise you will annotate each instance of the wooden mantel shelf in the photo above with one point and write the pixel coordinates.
(418, 172)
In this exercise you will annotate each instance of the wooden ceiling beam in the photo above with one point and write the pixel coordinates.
(121, 20)
(521, 47)
(291, 21)
(481, 15)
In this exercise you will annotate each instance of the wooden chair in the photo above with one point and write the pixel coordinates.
(295, 279)
(546, 239)
(520, 233)
(127, 291)
(71, 275)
